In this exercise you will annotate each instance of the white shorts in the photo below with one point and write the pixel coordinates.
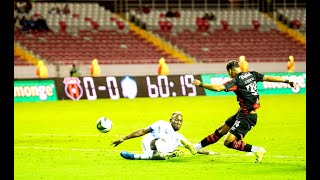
(146, 141)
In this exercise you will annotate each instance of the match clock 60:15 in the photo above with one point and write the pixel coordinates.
(166, 86)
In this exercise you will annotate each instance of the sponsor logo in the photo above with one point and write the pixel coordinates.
(219, 80)
(41, 91)
(299, 79)
(246, 75)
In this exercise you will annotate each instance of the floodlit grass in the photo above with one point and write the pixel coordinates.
(59, 140)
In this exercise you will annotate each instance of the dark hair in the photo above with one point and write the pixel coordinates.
(232, 64)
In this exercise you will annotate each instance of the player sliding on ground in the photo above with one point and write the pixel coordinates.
(244, 85)
(161, 140)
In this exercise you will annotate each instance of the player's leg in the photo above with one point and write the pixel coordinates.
(155, 149)
(233, 142)
(146, 144)
(127, 155)
(175, 153)
(241, 127)
(164, 145)
(189, 146)
(165, 149)
(220, 132)
(152, 154)
(148, 149)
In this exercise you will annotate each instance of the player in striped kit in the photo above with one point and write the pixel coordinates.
(244, 85)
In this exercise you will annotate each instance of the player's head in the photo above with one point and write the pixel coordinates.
(176, 120)
(233, 68)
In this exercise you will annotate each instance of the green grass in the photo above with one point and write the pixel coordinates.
(58, 140)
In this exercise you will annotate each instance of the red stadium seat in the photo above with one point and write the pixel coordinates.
(255, 24)
(120, 25)
(94, 25)
(224, 24)
(63, 26)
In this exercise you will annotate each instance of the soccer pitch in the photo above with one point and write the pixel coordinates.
(59, 140)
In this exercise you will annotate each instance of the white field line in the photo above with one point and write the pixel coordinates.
(72, 149)
(96, 135)
(89, 135)
(110, 150)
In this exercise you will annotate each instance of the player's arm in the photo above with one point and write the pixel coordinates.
(137, 133)
(279, 79)
(212, 87)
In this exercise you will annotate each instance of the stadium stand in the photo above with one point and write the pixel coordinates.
(293, 17)
(188, 19)
(220, 45)
(86, 31)
(109, 46)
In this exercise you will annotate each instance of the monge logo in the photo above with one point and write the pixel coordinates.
(72, 88)
(43, 92)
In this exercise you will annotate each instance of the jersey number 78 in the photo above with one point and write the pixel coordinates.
(252, 87)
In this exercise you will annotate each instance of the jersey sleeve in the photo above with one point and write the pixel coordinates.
(153, 126)
(230, 85)
(257, 76)
(157, 125)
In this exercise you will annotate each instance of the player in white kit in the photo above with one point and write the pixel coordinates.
(160, 141)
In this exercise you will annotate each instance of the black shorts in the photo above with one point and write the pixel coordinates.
(241, 124)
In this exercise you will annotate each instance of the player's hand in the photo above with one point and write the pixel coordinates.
(293, 84)
(196, 82)
(117, 142)
(295, 87)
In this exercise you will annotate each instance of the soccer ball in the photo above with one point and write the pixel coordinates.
(104, 124)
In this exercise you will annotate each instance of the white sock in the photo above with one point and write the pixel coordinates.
(197, 146)
(145, 155)
(254, 148)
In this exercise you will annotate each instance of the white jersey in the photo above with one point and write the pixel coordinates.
(163, 129)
